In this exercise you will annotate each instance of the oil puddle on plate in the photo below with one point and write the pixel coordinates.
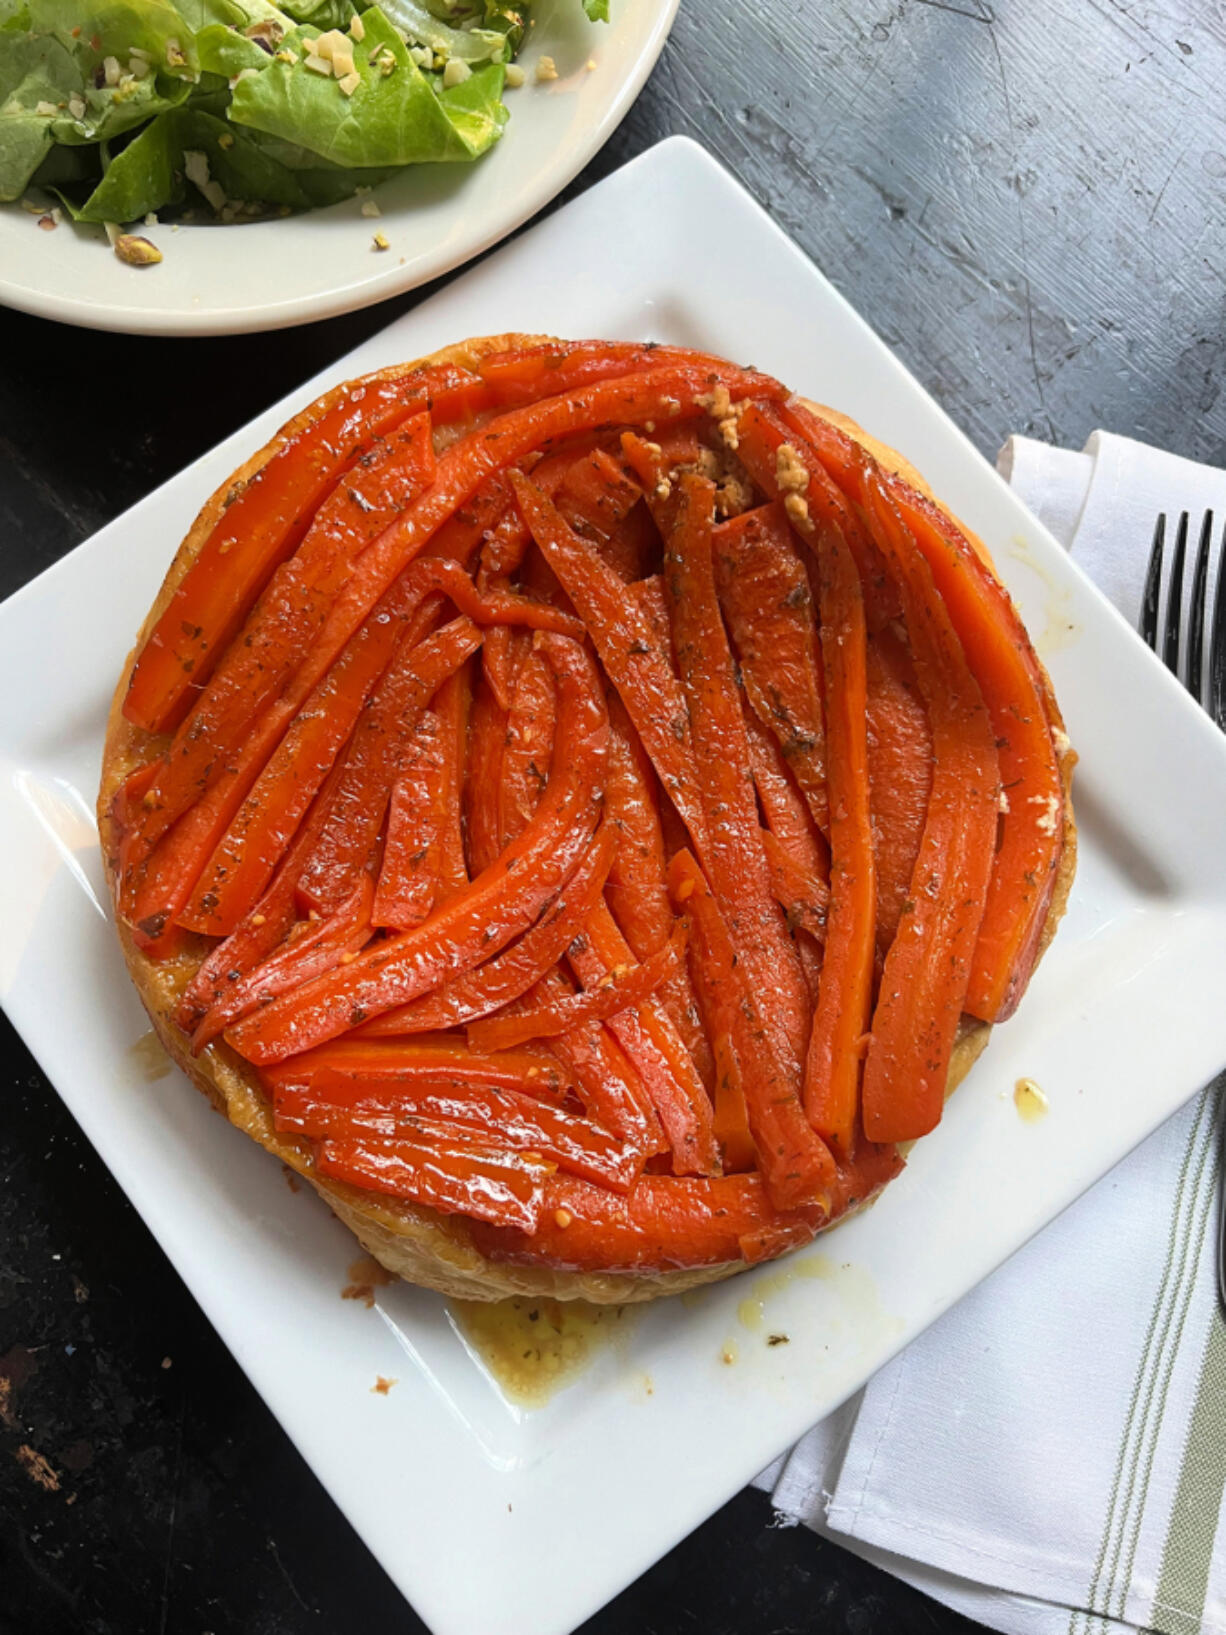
(533, 1347)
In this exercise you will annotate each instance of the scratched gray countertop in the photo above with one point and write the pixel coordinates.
(1026, 198)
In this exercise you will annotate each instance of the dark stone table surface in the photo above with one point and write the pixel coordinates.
(1027, 199)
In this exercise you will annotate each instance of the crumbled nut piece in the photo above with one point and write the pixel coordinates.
(546, 69)
(455, 73)
(319, 65)
(46, 110)
(175, 57)
(357, 28)
(349, 82)
(380, 243)
(797, 508)
(135, 251)
(790, 471)
(225, 140)
(111, 70)
(76, 107)
(370, 208)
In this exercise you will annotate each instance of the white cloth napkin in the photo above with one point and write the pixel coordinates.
(1050, 1457)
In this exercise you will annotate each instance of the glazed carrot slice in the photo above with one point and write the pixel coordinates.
(655, 1049)
(499, 904)
(610, 1088)
(1003, 660)
(258, 530)
(456, 1177)
(899, 775)
(783, 806)
(798, 1168)
(803, 898)
(374, 759)
(346, 1067)
(641, 672)
(637, 892)
(153, 896)
(509, 975)
(313, 946)
(483, 780)
(263, 928)
(665, 1221)
(453, 705)
(734, 858)
(601, 502)
(409, 869)
(620, 990)
(527, 754)
(224, 878)
(923, 985)
(765, 594)
(832, 1069)
(505, 1119)
(257, 664)
(722, 997)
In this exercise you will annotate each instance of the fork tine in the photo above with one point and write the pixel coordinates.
(1173, 624)
(1196, 611)
(1217, 646)
(1153, 582)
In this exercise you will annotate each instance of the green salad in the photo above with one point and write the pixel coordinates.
(232, 109)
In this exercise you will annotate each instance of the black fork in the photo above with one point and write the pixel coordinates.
(1194, 678)
(1196, 674)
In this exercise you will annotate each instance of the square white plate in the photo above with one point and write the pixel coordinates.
(492, 1519)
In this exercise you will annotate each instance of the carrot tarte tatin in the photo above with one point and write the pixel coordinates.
(582, 807)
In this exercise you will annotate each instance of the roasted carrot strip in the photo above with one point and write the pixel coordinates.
(640, 671)
(527, 753)
(409, 869)
(374, 759)
(735, 861)
(765, 594)
(923, 985)
(509, 975)
(1004, 664)
(483, 780)
(637, 892)
(453, 704)
(655, 1049)
(313, 946)
(665, 1221)
(153, 896)
(798, 1169)
(619, 991)
(899, 775)
(348, 1067)
(454, 1177)
(610, 1088)
(832, 1069)
(482, 919)
(227, 876)
(783, 806)
(504, 1119)
(601, 501)
(256, 666)
(804, 899)
(260, 528)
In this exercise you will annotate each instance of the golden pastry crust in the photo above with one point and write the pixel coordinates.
(416, 1243)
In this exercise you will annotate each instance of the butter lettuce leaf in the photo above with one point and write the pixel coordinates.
(394, 116)
(470, 45)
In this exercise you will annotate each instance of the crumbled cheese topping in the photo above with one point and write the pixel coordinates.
(76, 107)
(546, 69)
(515, 76)
(47, 110)
(455, 73)
(357, 28)
(370, 208)
(349, 82)
(1002, 803)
